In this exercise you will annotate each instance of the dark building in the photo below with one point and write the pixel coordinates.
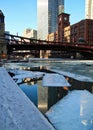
(63, 21)
(2, 25)
(3, 50)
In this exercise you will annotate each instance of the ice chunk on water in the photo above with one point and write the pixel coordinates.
(54, 80)
(73, 112)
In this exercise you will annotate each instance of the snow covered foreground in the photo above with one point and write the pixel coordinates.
(73, 112)
(17, 112)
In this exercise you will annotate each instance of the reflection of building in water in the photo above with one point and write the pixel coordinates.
(47, 97)
(80, 85)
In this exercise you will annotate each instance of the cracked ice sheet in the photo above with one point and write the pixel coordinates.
(17, 112)
(17, 71)
(74, 76)
(73, 112)
(21, 74)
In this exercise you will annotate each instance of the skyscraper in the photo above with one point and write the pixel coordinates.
(89, 9)
(47, 14)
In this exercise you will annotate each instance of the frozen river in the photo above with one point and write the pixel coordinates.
(76, 108)
(82, 68)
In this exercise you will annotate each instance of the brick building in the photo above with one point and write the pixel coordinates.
(82, 31)
(63, 21)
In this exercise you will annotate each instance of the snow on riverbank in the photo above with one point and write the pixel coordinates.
(17, 112)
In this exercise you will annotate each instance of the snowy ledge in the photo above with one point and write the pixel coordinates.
(17, 112)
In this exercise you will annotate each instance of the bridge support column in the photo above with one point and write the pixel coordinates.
(78, 55)
(44, 53)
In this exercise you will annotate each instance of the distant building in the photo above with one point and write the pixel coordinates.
(53, 37)
(47, 13)
(30, 33)
(88, 9)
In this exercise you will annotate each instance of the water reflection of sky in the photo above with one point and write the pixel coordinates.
(31, 92)
(84, 68)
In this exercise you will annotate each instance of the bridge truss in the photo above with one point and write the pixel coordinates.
(15, 43)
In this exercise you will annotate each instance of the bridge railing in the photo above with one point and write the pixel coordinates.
(15, 39)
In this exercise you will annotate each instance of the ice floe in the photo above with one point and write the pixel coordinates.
(21, 74)
(54, 80)
(73, 75)
(73, 112)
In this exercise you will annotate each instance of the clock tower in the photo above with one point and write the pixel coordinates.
(63, 21)
(2, 37)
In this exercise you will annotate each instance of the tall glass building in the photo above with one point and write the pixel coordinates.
(47, 13)
(89, 9)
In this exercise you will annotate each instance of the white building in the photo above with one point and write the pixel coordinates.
(89, 9)
(30, 33)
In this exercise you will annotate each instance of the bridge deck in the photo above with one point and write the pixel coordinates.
(15, 43)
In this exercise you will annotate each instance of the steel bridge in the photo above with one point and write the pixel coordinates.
(15, 42)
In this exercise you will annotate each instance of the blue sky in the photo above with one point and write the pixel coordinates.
(22, 14)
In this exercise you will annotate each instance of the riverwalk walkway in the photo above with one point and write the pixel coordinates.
(17, 112)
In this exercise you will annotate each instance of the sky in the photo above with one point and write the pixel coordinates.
(22, 14)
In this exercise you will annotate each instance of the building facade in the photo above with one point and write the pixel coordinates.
(67, 34)
(3, 48)
(47, 14)
(88, 9)
(82, 32)
(30, 33)
(53, 37)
